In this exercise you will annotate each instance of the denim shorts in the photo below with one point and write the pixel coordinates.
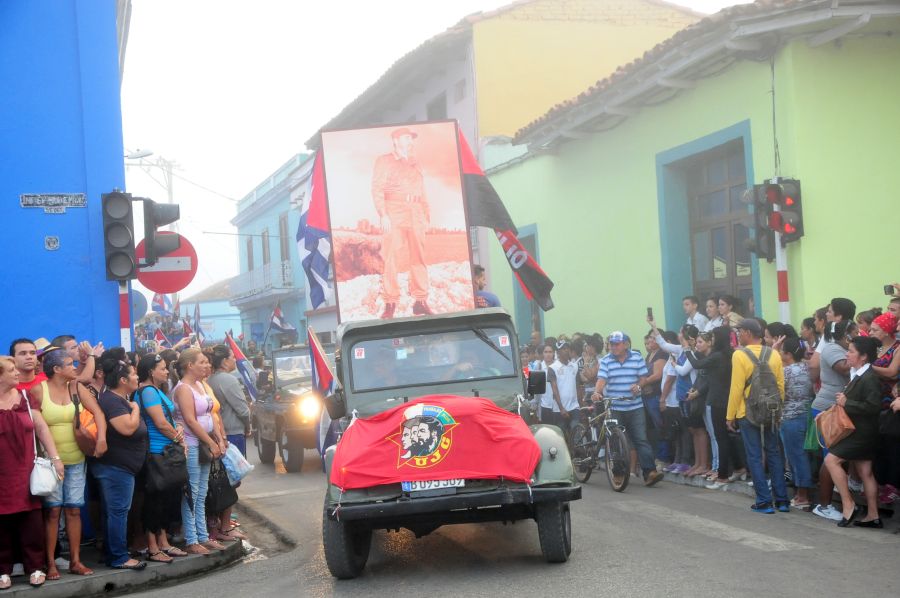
(70, 493)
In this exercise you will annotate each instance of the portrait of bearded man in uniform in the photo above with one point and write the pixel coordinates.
(398, 190)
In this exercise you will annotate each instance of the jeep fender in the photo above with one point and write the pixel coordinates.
(552, 469)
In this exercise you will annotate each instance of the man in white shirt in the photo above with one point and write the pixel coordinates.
(567, 384)
(691, 306)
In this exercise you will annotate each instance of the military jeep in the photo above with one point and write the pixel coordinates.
(286, 416)
(383, 364)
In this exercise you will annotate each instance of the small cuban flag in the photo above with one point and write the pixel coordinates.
(279, 323)
(161, 339)
(243, 366)
(162, 304)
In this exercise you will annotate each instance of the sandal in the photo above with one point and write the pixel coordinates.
(160, 557)
(712, 476)
(172, 551)
(52, 574)
(213, 545)
(232, 534)
(137, 566)
(37, 578)
(5, 581)
(79, 569)
(196, 549)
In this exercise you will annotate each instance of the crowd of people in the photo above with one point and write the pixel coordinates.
(103, 417)
(729, 398)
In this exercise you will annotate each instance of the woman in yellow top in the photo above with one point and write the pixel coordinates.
(55, 398)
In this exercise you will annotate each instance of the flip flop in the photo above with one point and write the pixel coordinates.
(52, 575)
(140, 565)
(173, 551)
(155, 557)
(79, 569)
(37, 578)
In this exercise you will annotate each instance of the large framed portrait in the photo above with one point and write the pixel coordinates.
(398, 221)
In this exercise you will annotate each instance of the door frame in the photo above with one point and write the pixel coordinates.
(674, 215)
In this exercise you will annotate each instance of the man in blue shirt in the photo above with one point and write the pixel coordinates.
(483, 298)
(620, 375)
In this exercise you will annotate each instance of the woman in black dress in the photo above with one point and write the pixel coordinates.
(861, 400)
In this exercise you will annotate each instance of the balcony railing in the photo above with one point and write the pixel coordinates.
(274, 275)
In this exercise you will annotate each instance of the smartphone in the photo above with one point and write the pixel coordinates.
(888, 289)
(649, 313)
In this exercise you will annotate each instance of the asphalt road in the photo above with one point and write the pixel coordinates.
(670, 540)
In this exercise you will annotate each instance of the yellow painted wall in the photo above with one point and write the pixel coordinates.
(544, 52)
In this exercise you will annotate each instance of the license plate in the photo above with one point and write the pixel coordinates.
(432, 485)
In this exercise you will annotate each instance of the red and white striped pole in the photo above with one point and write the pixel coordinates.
(784, 302)
(124, 315)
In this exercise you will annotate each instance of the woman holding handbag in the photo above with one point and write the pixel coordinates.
(115, 471)
(21, 520)
(861, 399)
(59, 397)
(193, 410)
(161, 509)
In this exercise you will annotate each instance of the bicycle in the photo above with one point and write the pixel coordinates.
(596, 433)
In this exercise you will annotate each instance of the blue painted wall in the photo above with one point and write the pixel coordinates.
(60, 132)
(217, 317)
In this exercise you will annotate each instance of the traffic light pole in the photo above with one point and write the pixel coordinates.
(784, 302)
(124, 315)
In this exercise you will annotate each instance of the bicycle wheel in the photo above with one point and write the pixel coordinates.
(582, 447)
(618, 459)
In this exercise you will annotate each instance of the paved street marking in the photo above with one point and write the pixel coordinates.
(811, 521)
(275, 493)
(713, 529)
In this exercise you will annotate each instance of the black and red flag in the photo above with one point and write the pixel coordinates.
(486, 209)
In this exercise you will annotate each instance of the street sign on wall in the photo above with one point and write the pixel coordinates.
(172, 272)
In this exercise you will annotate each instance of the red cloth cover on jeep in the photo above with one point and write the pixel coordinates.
(437, 437)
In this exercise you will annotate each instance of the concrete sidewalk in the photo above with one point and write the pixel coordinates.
(106, 581)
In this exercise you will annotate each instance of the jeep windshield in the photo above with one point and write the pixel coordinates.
(440, 357)
(292, 368)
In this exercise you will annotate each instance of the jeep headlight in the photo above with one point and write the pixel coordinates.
(309, 407)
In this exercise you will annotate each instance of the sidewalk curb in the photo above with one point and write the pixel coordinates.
(698, 482)
(246, 507)
(108, 582)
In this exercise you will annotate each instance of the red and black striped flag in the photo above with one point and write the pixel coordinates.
(485, 208)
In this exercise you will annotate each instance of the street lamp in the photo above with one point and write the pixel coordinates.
(166, 166)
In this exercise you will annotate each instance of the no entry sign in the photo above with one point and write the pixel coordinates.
(172, 272)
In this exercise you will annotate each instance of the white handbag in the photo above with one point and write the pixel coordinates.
(43, 475)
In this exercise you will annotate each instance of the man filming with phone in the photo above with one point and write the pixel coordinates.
(620, 376)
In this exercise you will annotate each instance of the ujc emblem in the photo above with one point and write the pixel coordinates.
(425, 437)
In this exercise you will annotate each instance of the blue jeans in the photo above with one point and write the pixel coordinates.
(117, 489)
(652, 410)
(793, 435)
(713, 443)
(636, 430)
(193, 516)
(753, 445)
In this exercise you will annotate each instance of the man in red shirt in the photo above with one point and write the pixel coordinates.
(24, 353)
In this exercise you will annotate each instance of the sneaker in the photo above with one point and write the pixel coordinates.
(715, 485)
(62, 564)
(855, 485)
(828, 512)
(783, 507)
(762, 507)
(670, 468)
(652, 478)
(682, 469)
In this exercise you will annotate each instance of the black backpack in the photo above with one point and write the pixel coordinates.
(764, 404)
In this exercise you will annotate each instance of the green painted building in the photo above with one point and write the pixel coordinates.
(629, 194)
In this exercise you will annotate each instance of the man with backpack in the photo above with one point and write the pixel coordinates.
(755, 406)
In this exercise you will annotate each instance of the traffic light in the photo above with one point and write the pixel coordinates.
(118, 236)
(788, 220)
(762, 243)
(156, 245)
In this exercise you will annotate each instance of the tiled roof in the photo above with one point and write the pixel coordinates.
(421, 55)
(721, 20)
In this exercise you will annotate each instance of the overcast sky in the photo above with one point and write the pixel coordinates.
(231, 89)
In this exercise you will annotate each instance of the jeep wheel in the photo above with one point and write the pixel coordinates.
(291, 453)
(346, 546)
(264, 448)
(554, 530)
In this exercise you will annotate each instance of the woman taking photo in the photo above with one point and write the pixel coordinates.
(193, 410)
(21, 521)
(861, 399)
(126, 437)
(54, 395)
(161, 510)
